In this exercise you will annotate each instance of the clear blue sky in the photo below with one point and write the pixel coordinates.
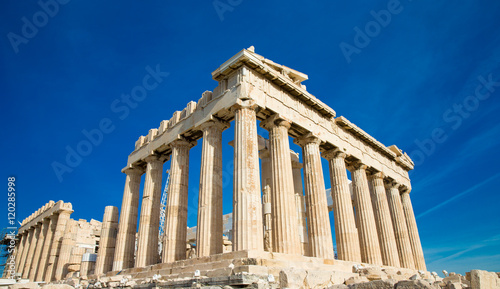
(409, 80)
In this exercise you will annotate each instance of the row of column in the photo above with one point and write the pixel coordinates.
(174, 243)
(376, 236)
(38, 250)
(381, 229)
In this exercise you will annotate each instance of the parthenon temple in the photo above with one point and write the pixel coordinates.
(280, 214)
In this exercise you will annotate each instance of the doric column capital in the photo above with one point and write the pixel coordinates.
(335, 153)
(275, 120)
(65, 211)
(245, 104)
(404, 189)
(157, 158)
(219, 124)
(390, 184)
(181, 142)
(377, 175)
(307, 139)
(357, 165)
(132, 170)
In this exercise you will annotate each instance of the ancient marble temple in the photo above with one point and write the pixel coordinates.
(251, 88)
(375, 225)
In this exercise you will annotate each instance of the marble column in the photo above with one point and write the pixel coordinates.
(31, 252)
(67, 245)
(399, 223)
(247, 208)
(418, 254)
(127, 227)
(300, 204)
(266, 198)
(26, 254)
(55, 248)
(210, 227)
(147, 241)
(285, 235)
(106, 252)
(38, 251)
(383, 220)
(365, 220)
(346, 233)
(49, 238)
(318, 221)
(174, 244)
(87, 266)
(20, 250)
(266, 211)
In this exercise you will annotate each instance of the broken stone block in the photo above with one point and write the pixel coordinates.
(373, 273)
(452, 279)
(413, 284)
(115, 278)
(378, 284)
(415, 277)
(481, 279)
(291, 277)
(454, 285)
(356, 280)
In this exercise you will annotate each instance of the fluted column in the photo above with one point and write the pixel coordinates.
(147, 243)
(127, 227)
(107, 242)
(174, 245)
(346, 233)
(20, 251)
(285, 235)
(31, 253)
(416, 246)
(266, 211)
(399, 223)
(28, 248)
(44, 257)
(39, 247)
(87, 266)
(385, 229)
(266, 198)
(247, 208)
(318, 222)
(368, 239)
(67, 244)
(55, 248)
(300, 204)
(210, 226)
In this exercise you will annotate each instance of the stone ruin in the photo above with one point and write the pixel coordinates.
(280, 235)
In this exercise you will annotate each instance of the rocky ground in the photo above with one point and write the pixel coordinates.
(367, 278)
